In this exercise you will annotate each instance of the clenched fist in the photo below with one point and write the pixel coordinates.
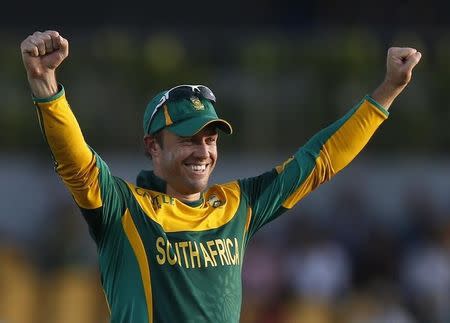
(400, 63)
(42, 53)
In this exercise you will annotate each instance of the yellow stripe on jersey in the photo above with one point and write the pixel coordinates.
(76, 164)
(138, 247)
(364, 121)
(281, 167)
(174, 216)
(249, 218)
(338, 151)
(107, 302)
(247, 226)
(307, 186)
(87, 196)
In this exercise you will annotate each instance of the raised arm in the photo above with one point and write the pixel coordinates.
(329, 150)
(83, 172)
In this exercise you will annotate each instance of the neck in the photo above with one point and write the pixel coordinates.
(182, 197)
(174, 193)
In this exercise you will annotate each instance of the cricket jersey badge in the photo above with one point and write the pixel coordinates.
(214, 201)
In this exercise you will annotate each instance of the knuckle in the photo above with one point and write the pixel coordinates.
(395, 49)
(53, 33)
(36, 40)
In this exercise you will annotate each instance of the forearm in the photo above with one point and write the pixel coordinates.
(44, 86)
(386, 93)
(73, 157)
(337, 145)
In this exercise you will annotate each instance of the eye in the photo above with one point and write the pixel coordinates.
(211, 140)
(186, 141)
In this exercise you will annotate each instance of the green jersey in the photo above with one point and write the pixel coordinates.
(162, 260)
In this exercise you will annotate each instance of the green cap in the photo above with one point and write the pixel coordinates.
(184, 117)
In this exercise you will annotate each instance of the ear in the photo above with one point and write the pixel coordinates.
(152, 147)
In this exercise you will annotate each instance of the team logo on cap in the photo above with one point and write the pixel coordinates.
(198, 105)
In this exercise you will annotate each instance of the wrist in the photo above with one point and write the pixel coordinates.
(386, 93)
(44, 86)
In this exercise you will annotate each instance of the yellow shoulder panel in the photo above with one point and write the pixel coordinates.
(220, 206)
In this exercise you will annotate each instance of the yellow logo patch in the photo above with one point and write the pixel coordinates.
(214, 201)
(198, 105)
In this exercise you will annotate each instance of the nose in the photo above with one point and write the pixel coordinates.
(201, 150)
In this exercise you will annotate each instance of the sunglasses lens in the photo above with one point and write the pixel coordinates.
(207, 93)
(186, 91)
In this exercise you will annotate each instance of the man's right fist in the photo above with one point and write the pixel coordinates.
(43, 52)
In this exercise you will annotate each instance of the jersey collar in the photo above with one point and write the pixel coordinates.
(148, 180)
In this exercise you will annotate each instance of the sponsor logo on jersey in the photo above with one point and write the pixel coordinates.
(157, 200)
(198, 254)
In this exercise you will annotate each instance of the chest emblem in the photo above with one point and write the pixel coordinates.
(214, 201)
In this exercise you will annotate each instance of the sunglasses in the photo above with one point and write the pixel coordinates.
(181, 92)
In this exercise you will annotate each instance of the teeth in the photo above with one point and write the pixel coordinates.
(198, 168)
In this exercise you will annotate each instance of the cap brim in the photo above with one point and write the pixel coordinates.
(192, 126)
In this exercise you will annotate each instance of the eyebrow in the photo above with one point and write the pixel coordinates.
(211, 131)
(207, 133)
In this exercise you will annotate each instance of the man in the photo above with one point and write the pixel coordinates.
(170, 248)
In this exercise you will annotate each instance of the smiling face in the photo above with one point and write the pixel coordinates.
(185, 163)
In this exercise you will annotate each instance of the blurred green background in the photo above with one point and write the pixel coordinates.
(289, 83)
(371, 246)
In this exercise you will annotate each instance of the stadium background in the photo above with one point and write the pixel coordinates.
(373, 245)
